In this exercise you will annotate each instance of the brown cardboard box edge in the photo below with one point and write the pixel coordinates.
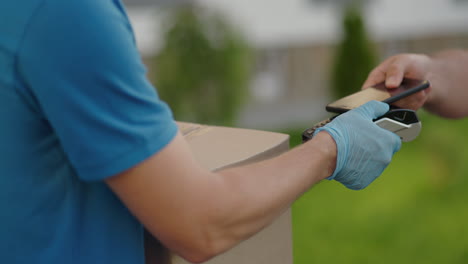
(221, 147)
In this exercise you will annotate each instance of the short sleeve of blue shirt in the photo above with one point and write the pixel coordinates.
(80, 61)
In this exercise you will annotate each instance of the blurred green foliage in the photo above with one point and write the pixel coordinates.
(203, 69)
(416, 212)
(354, 56)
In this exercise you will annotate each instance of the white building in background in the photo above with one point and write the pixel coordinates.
(295, 39)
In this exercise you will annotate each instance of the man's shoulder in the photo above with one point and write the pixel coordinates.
(15, 15)
(25, 9)
(73, 7)
(80, 16)
(59, 21)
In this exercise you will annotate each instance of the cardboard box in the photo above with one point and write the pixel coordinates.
(222, 147)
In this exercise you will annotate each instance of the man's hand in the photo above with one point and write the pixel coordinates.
(394, 69)
(446, 71)
(364, 149)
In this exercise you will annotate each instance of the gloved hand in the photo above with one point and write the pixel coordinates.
(363, 149)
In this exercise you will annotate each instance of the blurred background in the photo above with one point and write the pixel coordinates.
(274, 65)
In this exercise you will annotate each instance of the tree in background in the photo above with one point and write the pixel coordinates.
(203, 69)
(355, 56)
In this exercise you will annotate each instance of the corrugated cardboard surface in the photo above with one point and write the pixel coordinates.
(222, 147)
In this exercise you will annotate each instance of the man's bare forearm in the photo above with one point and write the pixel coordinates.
(262, 191)
(449, 80)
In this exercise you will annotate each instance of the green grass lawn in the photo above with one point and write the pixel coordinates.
(416, 212)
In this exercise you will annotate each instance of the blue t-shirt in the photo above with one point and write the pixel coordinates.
(75, 108)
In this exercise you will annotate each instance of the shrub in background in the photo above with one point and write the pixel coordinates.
(203, 69)
(355, 56)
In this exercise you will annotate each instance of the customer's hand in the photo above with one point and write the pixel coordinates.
(394, 69)
(364, 149)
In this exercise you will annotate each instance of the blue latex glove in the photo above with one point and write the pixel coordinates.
(363, 149)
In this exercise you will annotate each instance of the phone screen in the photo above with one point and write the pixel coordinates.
(378, 92)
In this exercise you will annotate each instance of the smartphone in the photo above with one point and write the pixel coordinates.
(378, 92)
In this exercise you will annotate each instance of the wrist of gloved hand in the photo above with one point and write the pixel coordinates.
(364, 149)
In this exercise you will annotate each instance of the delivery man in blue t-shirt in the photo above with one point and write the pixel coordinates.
(90, 155)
